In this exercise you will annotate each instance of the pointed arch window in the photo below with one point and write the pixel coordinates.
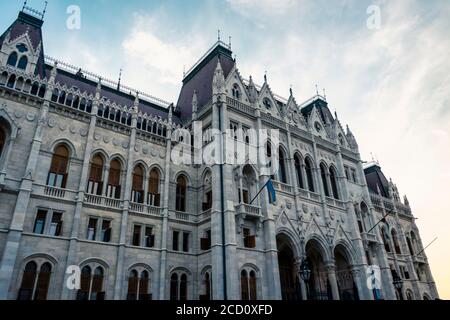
(248, 285)
(23, 62)
(236, 92)
(410, 247)
(181, 194)
(395, 241)
(282, 176)
(12, 59)
(154, 196)
(137, 193)
(178, 286)
(207, 287)
(91, 284)
(35, 284)
(323, 174)
(333, 180)
(57, 177)
(207, 193)
(385, 240)
(95, 183)
(298, 171)
(138, 285)
(115, 170)
(309, 174)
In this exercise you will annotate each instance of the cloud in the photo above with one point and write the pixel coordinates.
(265, 7)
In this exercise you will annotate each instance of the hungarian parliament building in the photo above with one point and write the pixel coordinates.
(93, 207)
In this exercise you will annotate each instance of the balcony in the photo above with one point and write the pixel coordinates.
(283, 187)
(54, 192)
(305, 194)
(144, 209)
(370, 237)
(249, 210)
(335, 203)
(182, 216)
(103, 201)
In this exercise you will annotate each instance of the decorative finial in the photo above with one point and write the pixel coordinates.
(24, 5)
(317, 90)
(120, 78)
(229, 42)
(324, 94)
(265, 76)
(184, 71)
(45, 9)
(290, 90)
(218, 35)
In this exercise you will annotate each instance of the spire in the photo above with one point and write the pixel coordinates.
(99, 88)
(265, 76)
(194, 105)
(290, 91)
(219, 78)
(120, 78)
(406, 201)
(252, 94)
(136, 102)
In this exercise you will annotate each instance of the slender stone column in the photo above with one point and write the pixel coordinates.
(14, 236)
(105, 180)
(331, 271)
(75, 233)
(162, 282)
(126, 203)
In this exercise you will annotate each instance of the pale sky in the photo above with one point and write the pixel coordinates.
(391, 85)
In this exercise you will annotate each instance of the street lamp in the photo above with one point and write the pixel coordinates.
(398, 284)
(305, 274)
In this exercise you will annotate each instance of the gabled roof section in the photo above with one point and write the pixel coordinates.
(320, 104)
(377, 180)
(31, 25)
(200, 78)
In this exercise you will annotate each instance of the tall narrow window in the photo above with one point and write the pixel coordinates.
(207, 285)
(174, 287)
(138, 286)
(410, 247)
(186, 237)
(385, 240)
(183, 287)
(12, 59)
(181, 194)
(106, 231)
(85, 284)
(149, 240)
(136, 236)
(23, 62)
(28, 281)
(92, 229)
(137, 194)
(309, 174)
(249, 239)
(175, 240)
(43, 282)
(252, 285)
(115, 170)
(207, 193)
(333, 181)
(282, 176)
(133, 281)
(56, 224)
(323, 174)
(97, 285)
(144, 281)
(244, 285)
(298, 171)
(2, 141)
(153, 189)
(57, 177)
(39, 223)
(396, 243)
(95, 183)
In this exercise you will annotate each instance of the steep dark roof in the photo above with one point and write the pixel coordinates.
(27, 23)
(375, 177)
(120, 98)
(200, 79)
(321, 105)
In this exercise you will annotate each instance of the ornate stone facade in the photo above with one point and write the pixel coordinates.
(86, 179)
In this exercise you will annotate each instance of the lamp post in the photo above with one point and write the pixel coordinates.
(398, 284)
(305, 274)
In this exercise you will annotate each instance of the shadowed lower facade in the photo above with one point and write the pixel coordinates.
(86, 180)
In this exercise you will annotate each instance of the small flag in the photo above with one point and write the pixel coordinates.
(272, 192)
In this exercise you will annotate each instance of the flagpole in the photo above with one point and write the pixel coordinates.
(379, 222)
(426, 246)
(259, 191)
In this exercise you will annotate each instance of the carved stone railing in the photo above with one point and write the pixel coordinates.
(145, 209)
(239, 106)
(103, 201)
(305, 194)
(182, 216)
(335, 203)
(248, 210)
(280, 186)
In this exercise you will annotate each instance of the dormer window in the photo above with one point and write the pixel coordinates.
(236, 92)
(318, 126)
(267, 103)
(22, 48)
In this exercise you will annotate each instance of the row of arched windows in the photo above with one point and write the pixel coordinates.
(151, 126)
(387, 243)
(72, 101)
(20, 84)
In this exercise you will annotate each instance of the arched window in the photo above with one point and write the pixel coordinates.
(62, 97)
(12, 59)
(181, 194)
(207, 192)
(95, 183)
(282, 176)
(333, 180)
(57, 177)
(385, 240)
(323, 174)
(178, 286)
(154, 196)
(395, 241)
(206, 287)
(410, 247)
(91, 286)
(137, 193)
(236, 92)
(309, 174)
(248, 285)
(35, 283)
(23, 62)
(2, 140)
(298, 171)
(138, 285)
(115, 170)
(11, 81)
